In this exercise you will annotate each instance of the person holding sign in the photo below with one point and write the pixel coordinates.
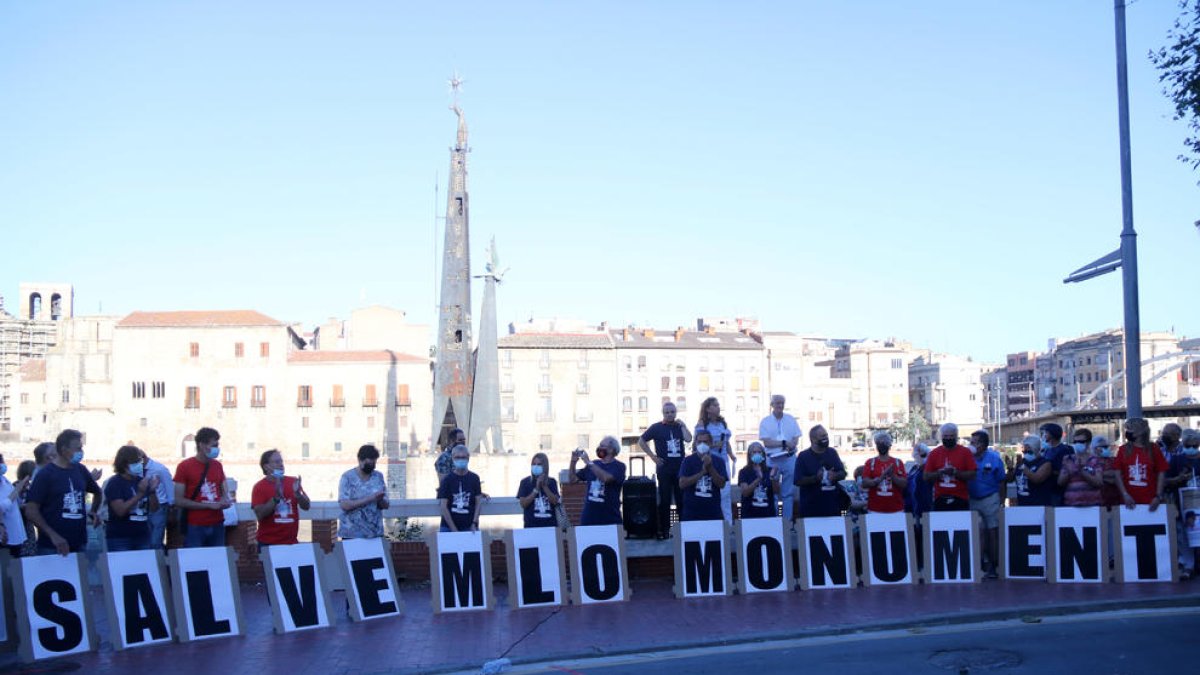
(1032, 475)
(780, 435)
(711, 421)
(669, 436)
(759, 485)
(818, 470)
(1141, 466)
(55, 504)
(363, 498)
(884, 478)
(275, 500)
(702, 478)
(950, 467)
(458, 495)
(200, 492)
(1082, 473)
(984, 490)
(538, 493)
(131, 497)
(1183, 479)
(12, 526)
(602, 505)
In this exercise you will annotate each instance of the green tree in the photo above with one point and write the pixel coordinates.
(914, 427)
(1179, 71)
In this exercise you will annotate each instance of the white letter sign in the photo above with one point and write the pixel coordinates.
(136, 594)
(205, 588)
(535, 567)
(461, 569)
(296, 587)
(598, 572)
(701, 560)
(370, 581)
(764, 555)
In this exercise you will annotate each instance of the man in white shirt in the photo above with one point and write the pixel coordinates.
(780, 433)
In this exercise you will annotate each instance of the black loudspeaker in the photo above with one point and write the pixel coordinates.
(639, 498)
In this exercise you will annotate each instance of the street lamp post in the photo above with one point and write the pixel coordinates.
(1124, 257)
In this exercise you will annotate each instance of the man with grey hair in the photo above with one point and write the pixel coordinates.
(950, 467)
(602, 505)
(780, 435)
(669, 436)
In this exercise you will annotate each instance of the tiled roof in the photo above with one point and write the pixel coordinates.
(197, 319)
(557, 340)
(34, 370)
(346, 356)
(688, 340)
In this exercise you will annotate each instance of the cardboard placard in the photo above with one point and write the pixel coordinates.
(54, 611)
(371, 586)
(8, 634)
(1189, 509)
(951, 546)
(701, 559)
(1145, 543)
(536, 573)
(764, 555)
(204, 588)
(297, 587)
(137, 598)
(460, 567)
(1078, 545)
(888, 549)
(1023, 543)
(826, 553)
(598, 569)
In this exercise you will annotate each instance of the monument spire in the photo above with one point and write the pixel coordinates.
(485, 431)
(454, 372)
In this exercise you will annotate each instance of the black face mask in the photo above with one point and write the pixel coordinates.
(601, 453)
(948, 443)
(368, 468)
(823, 444)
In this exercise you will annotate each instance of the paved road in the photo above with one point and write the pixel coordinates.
(1139, 641)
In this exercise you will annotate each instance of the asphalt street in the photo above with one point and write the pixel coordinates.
(1136, 641)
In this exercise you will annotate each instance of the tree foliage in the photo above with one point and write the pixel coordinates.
(913, 428)
(1179, 72)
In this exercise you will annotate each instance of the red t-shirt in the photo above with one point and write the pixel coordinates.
(188, 474)
(282, 526)
(885, 497)
(961, 459)
(1139, 469)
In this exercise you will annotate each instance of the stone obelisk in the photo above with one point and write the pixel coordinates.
(454, 372)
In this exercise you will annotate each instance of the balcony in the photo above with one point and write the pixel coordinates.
(370, 403)
(337, 403)
(258, 403)
(304, 403)
(404, 402)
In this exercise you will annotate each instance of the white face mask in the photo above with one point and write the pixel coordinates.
(702, 448)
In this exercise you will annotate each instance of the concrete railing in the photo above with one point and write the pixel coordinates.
(404, 508)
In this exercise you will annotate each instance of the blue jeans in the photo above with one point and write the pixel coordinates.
(158, 526)
(204, 535)
(787, 491)
(128, 543)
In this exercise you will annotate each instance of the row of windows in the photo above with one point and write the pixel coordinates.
(402, 421)
(666, 365)
(258, 396)
(157, 390)
(239, 349)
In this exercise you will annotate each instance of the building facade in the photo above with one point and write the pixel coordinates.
(947, 388)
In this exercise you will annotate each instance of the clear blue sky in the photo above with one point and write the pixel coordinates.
(928, 170)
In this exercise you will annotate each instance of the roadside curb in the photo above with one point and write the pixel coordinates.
(1191, 599)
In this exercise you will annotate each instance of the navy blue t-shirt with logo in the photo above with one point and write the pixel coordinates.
(540, 513)
(462, 497)
(668, 445)
(133, 524)
(60, 494)
(701, 501)
(1035, 494)
(822, 499)
(602, 503)
(761, 502)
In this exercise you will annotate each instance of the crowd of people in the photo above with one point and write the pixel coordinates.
(46, 511)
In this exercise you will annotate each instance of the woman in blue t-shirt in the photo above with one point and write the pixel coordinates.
(538, 493)
(131, 498)
(1032, 475)
(759, 485)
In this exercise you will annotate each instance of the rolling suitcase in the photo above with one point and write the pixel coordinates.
(638, 504)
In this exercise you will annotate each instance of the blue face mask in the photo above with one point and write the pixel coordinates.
(1079, 447)
(1189, 451)
(3, 469)
(213, 452)
(536, 469)
(137, 469)
(757, 458)
(278, 473)
(460, 464)
(1046, 445)
(1030, 457)
(77, 457)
